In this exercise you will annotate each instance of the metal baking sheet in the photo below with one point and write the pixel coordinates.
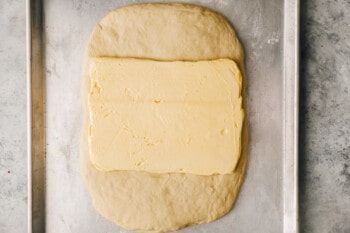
(58, 31)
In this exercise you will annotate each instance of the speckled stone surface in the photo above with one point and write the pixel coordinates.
(325, 117)
(13, 162)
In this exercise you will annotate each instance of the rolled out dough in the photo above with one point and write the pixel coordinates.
(150, 202)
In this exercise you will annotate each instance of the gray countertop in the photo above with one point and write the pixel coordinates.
(324, 117)
(13, 159)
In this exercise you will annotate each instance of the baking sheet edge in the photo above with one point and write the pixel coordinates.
(291, 53)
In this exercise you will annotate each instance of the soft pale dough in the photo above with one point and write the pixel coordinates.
(149, 202)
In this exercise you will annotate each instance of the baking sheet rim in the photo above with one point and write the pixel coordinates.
(291, 27)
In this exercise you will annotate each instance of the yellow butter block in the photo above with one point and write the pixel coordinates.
(165, 117)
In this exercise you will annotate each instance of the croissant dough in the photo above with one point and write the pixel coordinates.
(150, 202)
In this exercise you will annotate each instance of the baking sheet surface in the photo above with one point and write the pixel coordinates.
(66, 29)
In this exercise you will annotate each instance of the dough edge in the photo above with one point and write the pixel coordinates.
(105, 194)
